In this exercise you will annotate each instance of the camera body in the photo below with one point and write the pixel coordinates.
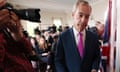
(26, 14)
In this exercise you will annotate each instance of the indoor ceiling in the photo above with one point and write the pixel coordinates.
(53, 5)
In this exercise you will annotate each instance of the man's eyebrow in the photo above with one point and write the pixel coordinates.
(80, 12)
(84, 14)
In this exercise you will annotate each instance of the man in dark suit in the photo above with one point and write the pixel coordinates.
(68, 57)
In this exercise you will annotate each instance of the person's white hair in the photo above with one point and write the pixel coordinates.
(83, 2)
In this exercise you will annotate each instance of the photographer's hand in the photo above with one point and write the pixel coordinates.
(2, 3)
(11, 22)
(15, 27)
(4, 18)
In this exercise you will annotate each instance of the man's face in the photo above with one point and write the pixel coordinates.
(81, 17)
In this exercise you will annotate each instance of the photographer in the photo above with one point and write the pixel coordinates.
(14, 48)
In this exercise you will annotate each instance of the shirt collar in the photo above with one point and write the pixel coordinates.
(76, 32)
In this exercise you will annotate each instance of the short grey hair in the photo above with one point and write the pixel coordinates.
(83, 2)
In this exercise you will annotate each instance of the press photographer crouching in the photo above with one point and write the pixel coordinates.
(14, 48)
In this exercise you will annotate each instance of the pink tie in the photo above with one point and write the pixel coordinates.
(80, 45)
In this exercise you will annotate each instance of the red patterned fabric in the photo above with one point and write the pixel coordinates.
(12, 56)
(106, 52)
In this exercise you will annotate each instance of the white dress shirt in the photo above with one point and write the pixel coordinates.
(78, 36)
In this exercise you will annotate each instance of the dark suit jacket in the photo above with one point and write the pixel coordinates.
(67, 57)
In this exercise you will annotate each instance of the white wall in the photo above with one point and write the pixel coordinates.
(118, 38)
(69, 18)
(48, 16)
(98, 10)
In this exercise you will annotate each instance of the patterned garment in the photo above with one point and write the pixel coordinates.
(12, 56)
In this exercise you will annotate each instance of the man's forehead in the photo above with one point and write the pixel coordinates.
(84, 6)
(83, 10)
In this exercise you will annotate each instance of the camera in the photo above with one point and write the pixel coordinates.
(26, 14)
(31, 14)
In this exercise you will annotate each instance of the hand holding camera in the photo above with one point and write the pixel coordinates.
(9, 21)
(4, 18)
(15, 27)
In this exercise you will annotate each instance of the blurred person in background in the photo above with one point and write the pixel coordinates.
(43, 51)
(51, 64)
(98, 29)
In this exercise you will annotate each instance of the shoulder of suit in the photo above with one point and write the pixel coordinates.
(91, 34)
(66, 32)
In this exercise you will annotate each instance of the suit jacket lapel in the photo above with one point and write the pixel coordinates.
(86, 46)
(74, 43)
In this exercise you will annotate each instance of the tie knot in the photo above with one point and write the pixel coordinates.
(80, 34)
